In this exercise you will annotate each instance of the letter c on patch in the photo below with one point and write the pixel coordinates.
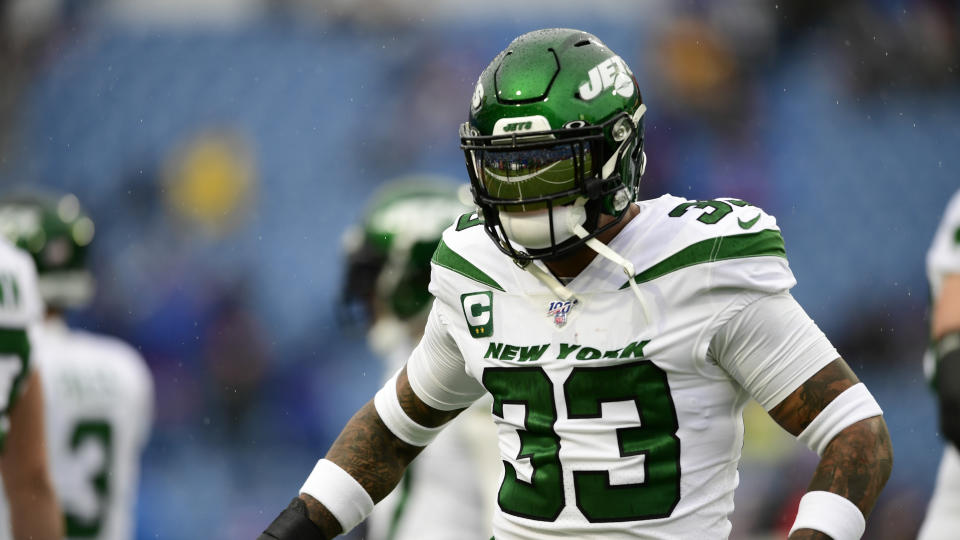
(478, 312)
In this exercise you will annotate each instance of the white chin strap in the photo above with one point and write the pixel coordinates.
(604, 251)
(551, 282)
(533, 232)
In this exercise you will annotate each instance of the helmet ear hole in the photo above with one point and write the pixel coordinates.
(615, 203)
(621, 130)
(621, 199)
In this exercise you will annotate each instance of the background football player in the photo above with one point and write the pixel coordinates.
(943, 364)
(449, 491)
(98, 389)
(31, 510)
(619, 411)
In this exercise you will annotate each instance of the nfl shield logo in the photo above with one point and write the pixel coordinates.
(558, 310)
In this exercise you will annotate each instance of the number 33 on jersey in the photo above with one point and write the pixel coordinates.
(611, 420)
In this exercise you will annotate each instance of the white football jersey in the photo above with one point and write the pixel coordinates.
(613, 419)
(943, 258)
(20, 307)
(99, 408)
(944, 255)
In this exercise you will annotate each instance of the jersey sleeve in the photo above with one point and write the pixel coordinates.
(733, 252)
(943, 258)
(436, 369)
(771, 347)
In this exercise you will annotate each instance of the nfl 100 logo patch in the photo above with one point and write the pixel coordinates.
(559, 310)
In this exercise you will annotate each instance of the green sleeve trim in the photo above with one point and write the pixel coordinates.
(447, 258)
(765, 243)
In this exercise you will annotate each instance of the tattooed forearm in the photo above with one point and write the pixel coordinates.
(371, 454)
(856, 463)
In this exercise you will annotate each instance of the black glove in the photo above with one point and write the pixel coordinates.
(293, 524)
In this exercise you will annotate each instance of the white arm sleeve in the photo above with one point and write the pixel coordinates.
(771, 347)
(436, 368)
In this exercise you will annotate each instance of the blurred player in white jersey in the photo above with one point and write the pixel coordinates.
(32, 510)
(943, 366)
(449, 491)
(98, 390)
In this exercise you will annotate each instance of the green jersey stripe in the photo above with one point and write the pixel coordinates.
(447, 258)
(767, 242)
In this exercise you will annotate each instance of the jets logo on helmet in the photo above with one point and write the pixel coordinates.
(521, 123)
(611, 72)
(554, 139)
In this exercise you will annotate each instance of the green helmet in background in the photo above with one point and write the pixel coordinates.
(56, 232)
(388, 253)
(554, 139)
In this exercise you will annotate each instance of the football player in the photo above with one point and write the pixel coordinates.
(619, 340)
(943, 365)
(31, 509)
(98, 389)
(449, 491)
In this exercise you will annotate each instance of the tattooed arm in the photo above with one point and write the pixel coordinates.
(775, 351)
(372, 454)
(857, 462)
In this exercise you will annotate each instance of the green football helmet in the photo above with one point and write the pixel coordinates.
(56, 232)
(388, 253)
(554, 139)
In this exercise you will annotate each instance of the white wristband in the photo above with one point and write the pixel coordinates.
(852, 405)
(830, 514)
(339, 493)
(395, 418)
